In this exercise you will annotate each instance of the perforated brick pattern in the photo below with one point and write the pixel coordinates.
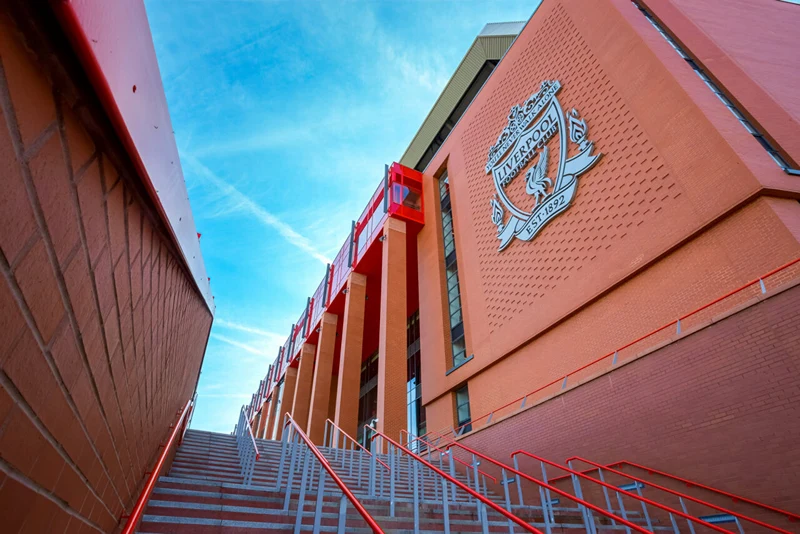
(628, 184)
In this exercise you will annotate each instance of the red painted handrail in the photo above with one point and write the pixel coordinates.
(360, 446)
(691, 483)
(324, 463)
(682, 495)
(553, 489)
(141, 502)
(626, 493)
(461, 485)
(753, 282)
(442, 451)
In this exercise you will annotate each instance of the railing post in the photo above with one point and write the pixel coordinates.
(587, 515)
(320, 497)
(282, 462)
(391, 480)
(605, 492)
(545, 512)
(416, 498)
(547, 494)
(342, 515)
(644, 508)
(688, 521)
(301, 499)
(290, 476)
(452, 472)
(372, 462)
(505, 482)
(445, 506)
(623, 512)
(519, 484)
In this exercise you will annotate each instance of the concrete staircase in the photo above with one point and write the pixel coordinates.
(203, 493)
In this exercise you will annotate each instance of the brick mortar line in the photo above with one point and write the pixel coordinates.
(74, 197)
(14, 133)
(14, 474)
(127, 257)
(19, 400)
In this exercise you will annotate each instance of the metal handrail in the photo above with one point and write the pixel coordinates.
(442, 451)
(563, 378)
(348, 436)
(625, 492)
(553, 489)
(247, 457)
(681, 495)
(338, 481)
(475, 495)
(789, 515)
(141, 502)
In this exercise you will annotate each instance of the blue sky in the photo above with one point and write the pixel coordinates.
(285, 114)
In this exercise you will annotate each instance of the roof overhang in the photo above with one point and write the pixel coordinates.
(490, 45)
(115, 47)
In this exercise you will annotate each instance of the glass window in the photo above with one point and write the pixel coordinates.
(463, 418)
(459, 350)
(368, 397)
(414, 409)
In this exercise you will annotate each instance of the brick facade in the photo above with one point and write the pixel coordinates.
(683, 206)
(103, 332)
(719, 406)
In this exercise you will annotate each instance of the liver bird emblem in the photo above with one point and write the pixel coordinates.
(536, 183)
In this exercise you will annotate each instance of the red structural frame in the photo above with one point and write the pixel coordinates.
(383, 203)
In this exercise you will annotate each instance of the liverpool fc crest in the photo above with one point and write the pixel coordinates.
(526, 143)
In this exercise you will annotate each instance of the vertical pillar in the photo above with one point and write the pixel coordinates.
(349, 380)
(270, 424)
(302, 388)
(262, 420)
(323, 371)
(286, 399)
(392, 345)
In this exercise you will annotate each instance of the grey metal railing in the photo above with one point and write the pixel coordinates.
(246, 444)
(299, 456)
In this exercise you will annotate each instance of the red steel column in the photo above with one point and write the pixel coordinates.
(302, 389)
(346, 416)
(392, 346)
(323, 371)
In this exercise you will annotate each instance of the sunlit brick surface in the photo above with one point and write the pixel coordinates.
(101, 331)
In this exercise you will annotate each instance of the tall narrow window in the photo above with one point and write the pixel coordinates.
(415, 411)
(451, 275)
(463, 417)
(367, 398)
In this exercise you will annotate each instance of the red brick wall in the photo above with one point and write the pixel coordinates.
(677, 212)
(720, 406)
(101, 331)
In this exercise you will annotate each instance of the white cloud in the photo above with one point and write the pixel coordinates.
(244, 328)
(246, 204)
(239, 344)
